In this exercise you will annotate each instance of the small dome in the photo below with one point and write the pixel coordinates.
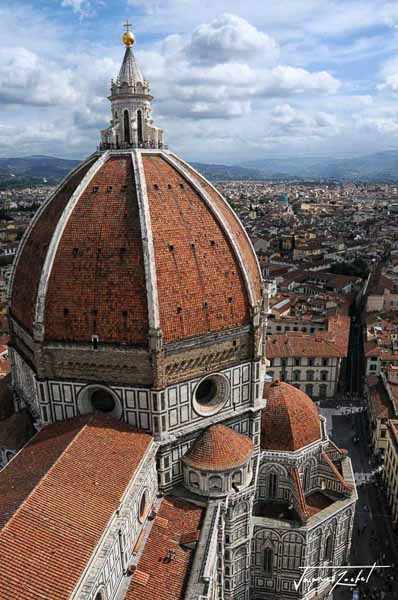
(219, 448)
(290, 421)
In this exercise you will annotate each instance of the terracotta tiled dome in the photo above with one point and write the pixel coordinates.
(219, 448)
(290, 421)
(133, 241)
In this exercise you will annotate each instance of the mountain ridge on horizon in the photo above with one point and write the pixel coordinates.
(377, 166)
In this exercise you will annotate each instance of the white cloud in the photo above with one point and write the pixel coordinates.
(230, 38)
(286, 122)
(380, 125)
(246, 81)
(27, 79)
(222, 68)
(81, 7)
(390, 83)
(389, 76)
(285, 81)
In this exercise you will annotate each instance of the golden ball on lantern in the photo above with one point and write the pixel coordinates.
(128, 39)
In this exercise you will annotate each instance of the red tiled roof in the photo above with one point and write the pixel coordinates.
(31, 260)
(236, 227)
(323, 344)
(372, 348)
(382, 407)
(316, 502)
(378, 283)
(290, 420)
(16, 430)
(302, 507)
(347, 486)
(157, 577)
(200, 279)
(98, 274)
(219, 448)
(56, 498)
(97, 284)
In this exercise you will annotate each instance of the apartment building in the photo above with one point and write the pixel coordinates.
(310, 362)
(390, 474)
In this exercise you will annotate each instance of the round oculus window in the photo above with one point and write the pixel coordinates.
(211, 394)
(102, 401)
(99, 400)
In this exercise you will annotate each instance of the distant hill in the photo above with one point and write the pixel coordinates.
(227, 172)
(377, 167)
(380, 166)
(31, 170)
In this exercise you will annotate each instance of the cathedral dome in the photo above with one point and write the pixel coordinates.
(136, 291)
(132, 241)
(219, 448)
(290, 421)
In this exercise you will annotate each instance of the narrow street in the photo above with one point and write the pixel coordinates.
(372, 536)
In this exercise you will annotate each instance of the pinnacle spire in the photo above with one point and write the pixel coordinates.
(130, 72)
(131, 125)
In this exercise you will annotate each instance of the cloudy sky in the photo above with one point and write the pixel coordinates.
(233, 81)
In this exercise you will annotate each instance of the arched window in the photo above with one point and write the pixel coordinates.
(99, 596)
(329, 547)
(143, 508)
(296, 375)
(139, 127)
(194, 479)
(307, 479)
(310, 375)
(272, 484)
(323, 390)
(292, 551)
(237, 478)
(127, 137)
(268, 560)
(215, 483)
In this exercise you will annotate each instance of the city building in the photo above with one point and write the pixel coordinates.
(390, 473)
(382, 293)
(382, 400)
(380, 343)
(162, 467)
(312, 361)
(305, 498)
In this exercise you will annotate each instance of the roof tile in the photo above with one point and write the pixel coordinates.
(64, 488)
(219, 448)
(290, 420)
(165, 561)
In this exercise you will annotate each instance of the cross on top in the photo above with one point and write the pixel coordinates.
(127, 25)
